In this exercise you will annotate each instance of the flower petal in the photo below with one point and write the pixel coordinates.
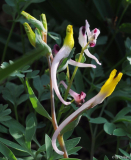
(91, 56)
(63, 52)
(78, 64)
(82, 39)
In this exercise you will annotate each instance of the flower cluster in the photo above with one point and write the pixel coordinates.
(86, 39)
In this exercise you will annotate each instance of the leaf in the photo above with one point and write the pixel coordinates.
(125, 27)
(109, 113)
(109, 128)
(69, 159)
(71, 125)
(48, 145)
(79, 84)
(123, 112)
(30, 129)
(36, 104)
(98, 71)
(56, 37)
(9, 10)
(101, 40)
(32, 74)
(71, 143)
(30, 57)
(37, 1)
(19, 137)
(12, 145)
(106, 158)
(6, 152)
(77, 57)
(94, 158)
(104, 8)
(10, 2)
(119, 132)
(126, 68)
(22, 98)
(124, 152)
(98, 120)
(4, 113)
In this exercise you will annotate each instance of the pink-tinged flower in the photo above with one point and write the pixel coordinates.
(105, 91)
(63, 53)
(79, 98)
(56, 49)
(85, 32)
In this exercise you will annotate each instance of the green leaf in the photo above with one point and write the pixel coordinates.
(71, 143)
(126, 68)
(9, 10)
(98, 71)
(29, 58)
(71, 125)
(4, 113)
(94, 158)
(101, 40)
(79, 84)
(119, 132)
(22, 99)
(123, 112)
(77, 57)
(109, 128)
(10, 2)
(55, 36)
(125, 27)
(37, 1)
(104, 8)
(30, 129)
(124, 152)
(98, 120)
(69, 159)
(7, 152)
(48, 145)
(12, 145)
(109, 113)
(36, 104)
(106, 158)
(33, 74)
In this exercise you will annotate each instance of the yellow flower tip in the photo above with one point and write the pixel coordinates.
(27, 15)
(69, 39)
(111, 83)
(30, 33)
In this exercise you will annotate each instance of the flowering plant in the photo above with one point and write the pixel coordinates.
(65, 78)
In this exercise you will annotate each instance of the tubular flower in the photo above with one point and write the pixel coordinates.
(85, 32)
(105, 91)
(63, 53)
(79, 98)
(56, 49)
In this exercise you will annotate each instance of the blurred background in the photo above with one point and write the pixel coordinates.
(113, 19)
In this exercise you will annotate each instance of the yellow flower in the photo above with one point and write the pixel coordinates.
(105, 91)
(111, 83)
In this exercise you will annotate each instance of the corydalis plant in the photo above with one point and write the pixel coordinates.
(105, 91)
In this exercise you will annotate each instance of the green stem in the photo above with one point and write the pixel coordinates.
(70, 82)
(118, 143)
(8, 39)
(122, 14)
(22, 38)
(92, 148)
(16, 115)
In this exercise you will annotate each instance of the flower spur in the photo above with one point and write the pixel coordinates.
(105, 91)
